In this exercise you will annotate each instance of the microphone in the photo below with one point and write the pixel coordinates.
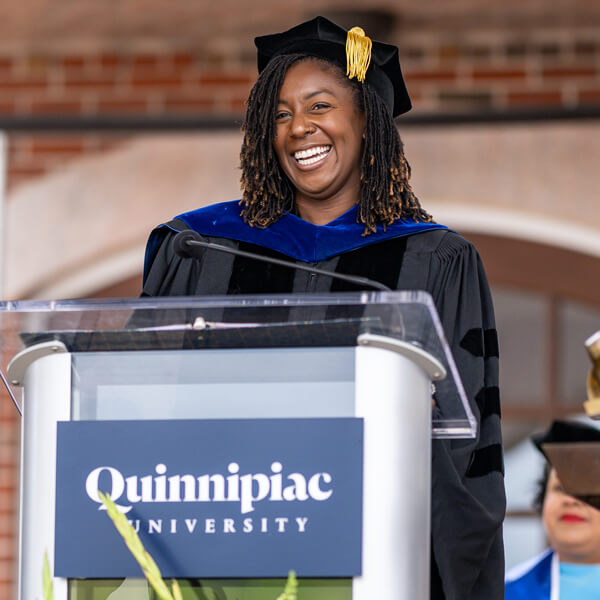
(188, 244)
(181, 245)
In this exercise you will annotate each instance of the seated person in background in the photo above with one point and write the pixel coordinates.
(570, 568)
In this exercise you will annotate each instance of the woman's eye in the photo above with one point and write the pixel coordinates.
(281, 115)
(320, 105)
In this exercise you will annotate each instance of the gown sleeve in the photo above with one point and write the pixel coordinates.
(468, 499)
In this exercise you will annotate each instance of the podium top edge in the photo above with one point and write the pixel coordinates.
(254, 300)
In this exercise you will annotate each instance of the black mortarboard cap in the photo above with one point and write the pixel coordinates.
(565, 432)
(573, 449)
(322, 38)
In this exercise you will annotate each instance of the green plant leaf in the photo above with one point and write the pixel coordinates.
(133, 542)
(147, 564)
(47, 579)
(176, 590)
(291, 588)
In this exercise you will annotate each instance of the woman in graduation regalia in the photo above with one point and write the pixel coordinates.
(325, 182)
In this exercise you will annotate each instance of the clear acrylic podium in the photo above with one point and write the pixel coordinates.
(378, 358)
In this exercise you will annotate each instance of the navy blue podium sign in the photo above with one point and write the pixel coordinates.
(212, 498)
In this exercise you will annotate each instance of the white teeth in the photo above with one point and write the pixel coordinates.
(312, 155)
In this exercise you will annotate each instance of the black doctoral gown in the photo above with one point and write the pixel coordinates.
(468, 501)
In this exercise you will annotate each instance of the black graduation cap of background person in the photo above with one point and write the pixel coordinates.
(573, 450)
(564, 432)
(322, 38)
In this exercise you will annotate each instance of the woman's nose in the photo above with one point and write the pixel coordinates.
(301, 126)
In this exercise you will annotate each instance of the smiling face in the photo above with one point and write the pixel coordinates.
(319, 140)
(573, 527)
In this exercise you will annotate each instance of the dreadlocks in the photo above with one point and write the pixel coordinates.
(385, 194)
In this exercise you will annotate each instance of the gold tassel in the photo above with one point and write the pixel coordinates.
(358, 54)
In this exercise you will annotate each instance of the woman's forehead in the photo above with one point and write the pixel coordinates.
(313, 74)
(316, 66)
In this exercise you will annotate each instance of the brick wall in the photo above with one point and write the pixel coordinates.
(444, 74)
(139, 84)
(503, 71)
(9, 498)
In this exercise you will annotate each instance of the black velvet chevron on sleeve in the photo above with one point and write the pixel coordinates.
(481, 342)
(486, 460)
(488, 401)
